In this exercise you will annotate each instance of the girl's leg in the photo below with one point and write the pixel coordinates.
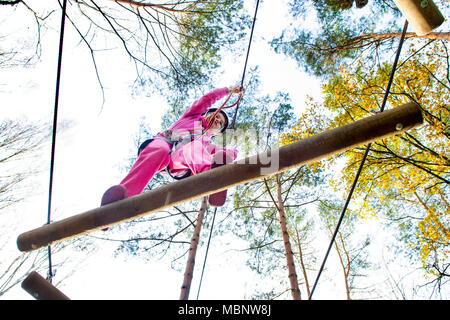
(219, 159)
(154, 158)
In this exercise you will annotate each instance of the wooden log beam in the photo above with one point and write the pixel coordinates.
(41, 289)
(320, 146)
(423, 15)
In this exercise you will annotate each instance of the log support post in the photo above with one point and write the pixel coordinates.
(41, 289)
(423, 15)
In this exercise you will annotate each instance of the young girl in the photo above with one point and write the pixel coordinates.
(197, 125)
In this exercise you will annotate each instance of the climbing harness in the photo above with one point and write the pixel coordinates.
(173, 140)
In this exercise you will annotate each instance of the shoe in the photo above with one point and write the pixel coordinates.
(218, 199)
(113, 194)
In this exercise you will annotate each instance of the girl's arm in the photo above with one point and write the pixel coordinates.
(204, 103)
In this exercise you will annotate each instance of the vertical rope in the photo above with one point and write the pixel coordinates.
(55, 122)
(232, 127)
(246, 61)
(388, 88)
(206, 254)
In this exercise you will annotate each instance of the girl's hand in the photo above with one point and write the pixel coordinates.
(237, 89)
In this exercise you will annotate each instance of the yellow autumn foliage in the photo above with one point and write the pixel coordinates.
(411, 170)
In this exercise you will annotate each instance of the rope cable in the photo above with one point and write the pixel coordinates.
(206, 254)
(246, 61)
(341, 217)
(232, 127)
(55, 121)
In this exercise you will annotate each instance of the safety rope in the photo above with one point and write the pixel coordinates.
(232, 127)
(210, 122)
(246, 61)
(341, 217)
(55, 122)
(206, 253)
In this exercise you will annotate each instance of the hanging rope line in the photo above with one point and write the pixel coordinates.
(388, 88)
(55, 122)
(232, 127)
(206, 254)
(246, 61)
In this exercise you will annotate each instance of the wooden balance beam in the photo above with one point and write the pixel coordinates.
(314, 148)
(41, 289)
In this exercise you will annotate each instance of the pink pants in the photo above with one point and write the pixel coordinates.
(153, 159)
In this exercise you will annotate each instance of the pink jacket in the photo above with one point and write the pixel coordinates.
(197, 155)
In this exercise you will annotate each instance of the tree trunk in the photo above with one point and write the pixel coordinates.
(302, 264)
(345, 266)
(287, 245)
(189, 272)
